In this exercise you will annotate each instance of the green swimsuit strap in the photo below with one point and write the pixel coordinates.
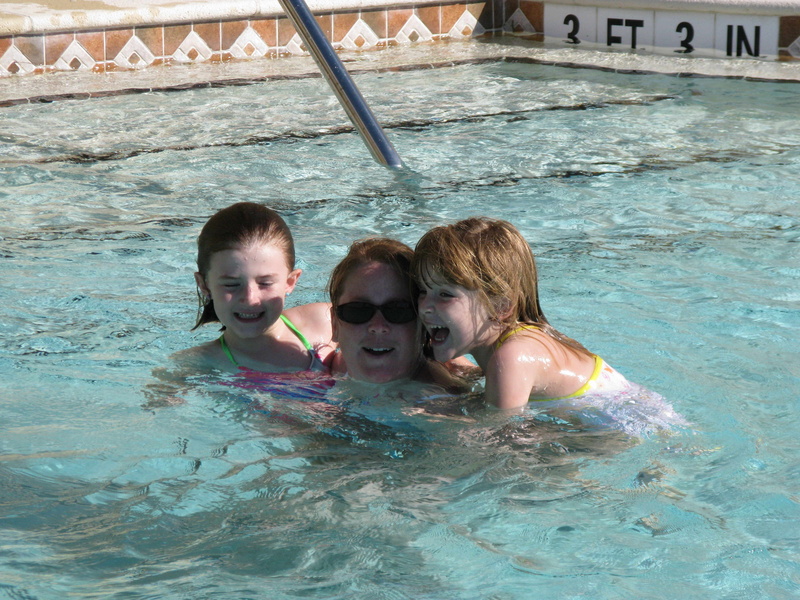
(227, 350)
(296, 331)
(289, 324)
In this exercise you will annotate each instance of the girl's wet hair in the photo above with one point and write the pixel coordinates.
(492, 258)
(382, 250)
(237, 226)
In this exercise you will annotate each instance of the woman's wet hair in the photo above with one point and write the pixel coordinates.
(238, 226)
(381, 250)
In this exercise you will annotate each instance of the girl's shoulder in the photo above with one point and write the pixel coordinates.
(202, 357)
(530, 350)
(521, 337)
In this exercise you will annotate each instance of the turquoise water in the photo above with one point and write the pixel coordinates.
(664, 217)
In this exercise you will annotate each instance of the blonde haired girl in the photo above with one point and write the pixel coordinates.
(480, 297)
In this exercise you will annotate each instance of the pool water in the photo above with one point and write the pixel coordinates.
(664, 215)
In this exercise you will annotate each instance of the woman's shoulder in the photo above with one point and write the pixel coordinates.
(309, 313)
(312, 320)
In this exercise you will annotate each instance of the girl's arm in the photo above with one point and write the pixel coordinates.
(508, 384)
(515, 371)
(462, 367)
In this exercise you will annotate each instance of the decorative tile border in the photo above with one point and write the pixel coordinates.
(708, 34)
(108, 50)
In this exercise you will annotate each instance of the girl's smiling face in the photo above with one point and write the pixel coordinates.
(456, 319)
(248, 286)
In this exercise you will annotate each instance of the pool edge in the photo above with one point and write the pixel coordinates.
(129, 40)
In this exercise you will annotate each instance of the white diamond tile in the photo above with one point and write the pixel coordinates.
(360, 37)
(192, 49)
(414, 30)
(519, 23)
(134, 55)
(295, 45)
(75, 58)
(249, 45)
(466, 26)
(14, 56)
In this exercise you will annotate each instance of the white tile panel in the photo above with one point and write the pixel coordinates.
(625, 29)
(570, 24)
(689, 33)
(743, 36)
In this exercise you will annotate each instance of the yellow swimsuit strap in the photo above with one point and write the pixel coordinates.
(598, 364)
(508, 334)
(598, 367)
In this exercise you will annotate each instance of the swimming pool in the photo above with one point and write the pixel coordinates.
(663, 214)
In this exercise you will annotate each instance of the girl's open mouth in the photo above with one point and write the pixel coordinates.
(438, 333)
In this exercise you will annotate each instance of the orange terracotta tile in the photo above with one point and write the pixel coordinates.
(376, 20)
(32, 46)
(789, 31)
(54, 46)
(396, 19)
(153, 38)
(534, 11)
(342, 24)
(116, 40)
(94, 43)
(285, 31)
(174, 36)
(210, 33)
(451, 13)
(431, 17)
(5, 44)
(326, 24)
(267, 30)
(231, 30)
(489, 15)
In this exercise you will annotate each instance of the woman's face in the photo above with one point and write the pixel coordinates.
(377, 350)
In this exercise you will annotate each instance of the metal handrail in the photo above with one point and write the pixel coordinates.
(342, 84)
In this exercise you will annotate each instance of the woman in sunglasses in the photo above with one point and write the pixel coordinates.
(374, 317)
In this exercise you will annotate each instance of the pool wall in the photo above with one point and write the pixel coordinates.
(76, 35)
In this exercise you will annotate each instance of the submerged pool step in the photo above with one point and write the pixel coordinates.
(291, 136)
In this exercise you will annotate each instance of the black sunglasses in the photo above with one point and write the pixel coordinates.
(396, 311)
